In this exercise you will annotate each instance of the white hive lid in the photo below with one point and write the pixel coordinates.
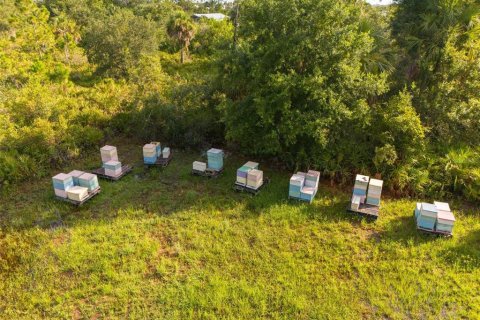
(62, 176)
(76, 173)
(108, 148)
(445, 215)
(361, 178)
(255, 172)
(214, 150)
(376, 183)
(297, 178)
(442, 206)
(313, 172)
(87, 176)
(251, 164)
(429, 207)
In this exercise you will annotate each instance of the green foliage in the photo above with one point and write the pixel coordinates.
(443, 45)
(212, 37)
(292, 98)
(116, 42)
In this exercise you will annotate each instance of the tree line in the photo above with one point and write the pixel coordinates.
(340, 86)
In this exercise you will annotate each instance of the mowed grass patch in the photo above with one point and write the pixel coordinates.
(161, 243)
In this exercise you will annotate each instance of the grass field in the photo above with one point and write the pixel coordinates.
(162, 244)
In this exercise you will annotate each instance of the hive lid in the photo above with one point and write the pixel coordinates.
(313, 172)
(214, 150)
(108, 148)
(446, 215)
(442, 206)
(251, 164)
(76, 173)
(361, 178)
(149, 146)
(244, 169)
(429, 207)
(255, 172)
(297, 177)
(199, 163)
(87, 176)
(376, 183)
(62, 176)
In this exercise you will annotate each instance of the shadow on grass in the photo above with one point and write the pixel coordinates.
(465, 254)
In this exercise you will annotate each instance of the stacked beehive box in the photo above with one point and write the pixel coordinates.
(427, 216)
(374, 192)
(249, 175)
(199, 166)
(166, 153)
(108, 153)
(367, 191)
(158, 148)
(89, 181)
(251, 165)
(312, 179)
(435, 217)
(75, 186)
(445, 217)
(61, 183)
(296, 184)
(304, 186)
(215, 159)
(75, 175)
(242, 174)
(112, 166)
(77, 193)
(360, 187)
(150, 153)
(254, 179)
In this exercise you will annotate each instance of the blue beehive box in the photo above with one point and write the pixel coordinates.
(149, 160)
(427, 217)
(297, 182)
(158, 148)
(215, 159)
(373, 201)
(307, 194)
(112, 165)
(294, 191)
(62, 181)
(88, 180)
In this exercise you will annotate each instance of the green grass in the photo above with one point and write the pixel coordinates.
(161, 244)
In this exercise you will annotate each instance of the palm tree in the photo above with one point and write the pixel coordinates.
(182, 29)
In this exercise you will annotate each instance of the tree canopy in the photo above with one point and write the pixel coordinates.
(339, 86)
